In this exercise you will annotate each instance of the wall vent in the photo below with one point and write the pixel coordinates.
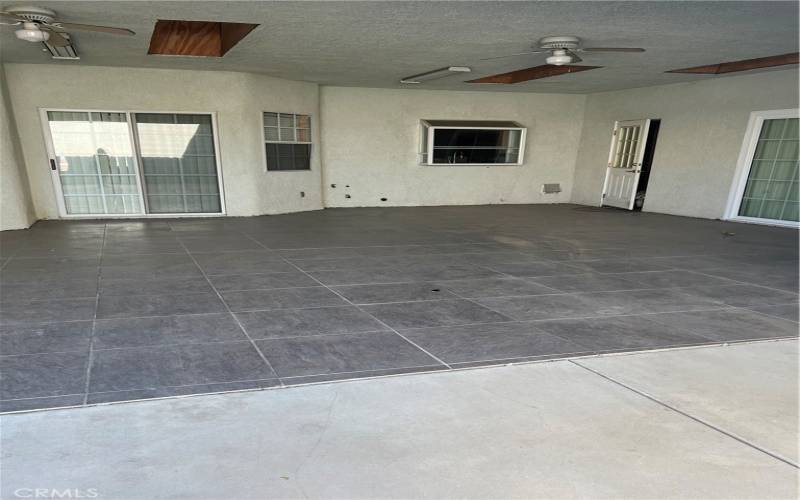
(551, 188)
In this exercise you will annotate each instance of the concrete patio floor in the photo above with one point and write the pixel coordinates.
(102, 311)
(706, 422)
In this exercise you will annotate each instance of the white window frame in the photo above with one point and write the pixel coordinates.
(745, 162)
(427, 155)
(264, 140)
(131, 120)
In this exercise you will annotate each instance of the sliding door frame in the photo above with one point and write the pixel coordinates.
(134, 138)
(745, 163)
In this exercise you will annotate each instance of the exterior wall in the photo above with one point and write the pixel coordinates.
(237, 98)
(370, 140)
(16, 210)
(702, 130)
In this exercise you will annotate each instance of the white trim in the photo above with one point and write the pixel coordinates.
(745, 162)
(131, 122)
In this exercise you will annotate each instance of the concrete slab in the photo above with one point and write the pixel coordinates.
(547, 430)
(749, 390)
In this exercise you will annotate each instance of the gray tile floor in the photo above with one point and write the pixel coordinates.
(101, 311)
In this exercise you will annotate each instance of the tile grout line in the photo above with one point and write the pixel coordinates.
(687, 415)
(94, 320)
(356, 306)
(227, 308)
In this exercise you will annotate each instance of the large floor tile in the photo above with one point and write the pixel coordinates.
(67, 288)
(165, 330)
(532, 269)
(261, 261)
(493, 287)
(342, 353)
(543, 306)
(650, 301)
(154, 367)
(163, 286)
(619, 265)
(400, 292)
(675, 278)
(286, 298)
(471, 343)
(433, 313)
(45, 338)
(17, 312)
(623, 332)
(745, 295)
(728, 325)
(589, 282)
(304, 322)
(42, 375)
(258, 281)
(121, 306)
(785, 311)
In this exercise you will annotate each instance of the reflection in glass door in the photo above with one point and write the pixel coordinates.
(95, 163)
(118, 163)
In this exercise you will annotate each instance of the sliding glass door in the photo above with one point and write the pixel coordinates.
(95, 163)
(767, 187)
(178, 163)
(119, 163)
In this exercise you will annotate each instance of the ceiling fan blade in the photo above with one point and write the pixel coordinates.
(743, 65)
(514, 55)
(91, 27)
(56, 39)
(611, 49)
(535, 73)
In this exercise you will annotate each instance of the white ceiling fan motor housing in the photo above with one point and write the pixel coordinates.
(560, 42)
(33, 14)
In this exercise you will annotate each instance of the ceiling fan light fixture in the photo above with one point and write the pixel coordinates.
(559, 58)
(30, 32)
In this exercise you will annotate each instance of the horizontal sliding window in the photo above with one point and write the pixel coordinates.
(472, 143)
(287, 139)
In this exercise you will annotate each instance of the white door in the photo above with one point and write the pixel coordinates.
(625, 163)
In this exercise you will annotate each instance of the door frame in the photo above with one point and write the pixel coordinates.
(745, 162)
(611, 150)
(134, 138)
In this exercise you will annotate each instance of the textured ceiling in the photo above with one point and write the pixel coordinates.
(374, 44)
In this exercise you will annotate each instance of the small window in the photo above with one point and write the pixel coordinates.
(287, 139)
(472, 143)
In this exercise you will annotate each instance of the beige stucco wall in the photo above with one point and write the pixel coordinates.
(370, 141)
(238, 99)
(702, 129)
(16, 209)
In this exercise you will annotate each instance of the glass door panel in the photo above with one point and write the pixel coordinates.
(772, 184)
(95, 162)
(178, 163)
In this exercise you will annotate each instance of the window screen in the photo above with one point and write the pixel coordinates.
(287, 139)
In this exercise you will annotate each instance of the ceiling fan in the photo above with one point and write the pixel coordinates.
(41, 25)
(564, 50)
